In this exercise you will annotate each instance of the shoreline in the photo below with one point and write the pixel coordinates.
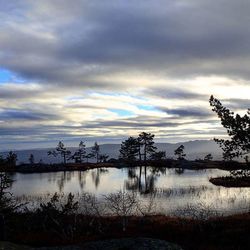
(225, 181)
(169, 163)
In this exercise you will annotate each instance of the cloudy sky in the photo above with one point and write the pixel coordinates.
(105, 70)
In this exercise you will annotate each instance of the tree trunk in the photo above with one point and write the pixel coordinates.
(140, 156)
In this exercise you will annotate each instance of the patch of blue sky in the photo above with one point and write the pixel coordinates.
(5, 76)
(9, 76)
(122, 112)
(147, 107)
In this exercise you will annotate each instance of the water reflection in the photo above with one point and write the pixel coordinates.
(143, 180)
(96, 175)
(63, 178)
(82, 179)
(171, 188)
(179, 171)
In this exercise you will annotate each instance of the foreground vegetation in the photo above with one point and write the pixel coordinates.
(50, 227)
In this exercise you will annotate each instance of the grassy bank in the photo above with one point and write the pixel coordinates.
(231, 181)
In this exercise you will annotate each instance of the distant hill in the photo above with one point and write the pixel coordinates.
(194, 150)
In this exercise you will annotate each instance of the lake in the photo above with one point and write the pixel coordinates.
(171, 189)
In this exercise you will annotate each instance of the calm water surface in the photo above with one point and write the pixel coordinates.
(171, 188)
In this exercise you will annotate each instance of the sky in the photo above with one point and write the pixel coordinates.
(105, 70)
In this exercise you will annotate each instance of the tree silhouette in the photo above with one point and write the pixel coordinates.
(179, 152)
(7, 203)
(103, 157)
(40, 162)
(11, 159)
(158, 156)
(89, 156)
(32, 159)
(146, 140)
(60, 150)
(96, 151)
(208, 157)
(238, 129)
(80, 154)
(2, 160)
(129, 149)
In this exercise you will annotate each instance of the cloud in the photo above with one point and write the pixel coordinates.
(15, 114)
(175, 93)
(235, 103)
(189, 112)
(89, 39)
(111, 68)
(19, 91)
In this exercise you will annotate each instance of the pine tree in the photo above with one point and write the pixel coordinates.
(238, 129)
(179, 152)
(11, 159)
(80, 154)
(96, 151)
(146, 141)
(129, 149)
(60, 150)
(32, 159)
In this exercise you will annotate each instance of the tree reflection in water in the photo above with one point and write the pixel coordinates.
(82, 179)
(179, 171)
(96, 175)
(67, 176)
(144, 181)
